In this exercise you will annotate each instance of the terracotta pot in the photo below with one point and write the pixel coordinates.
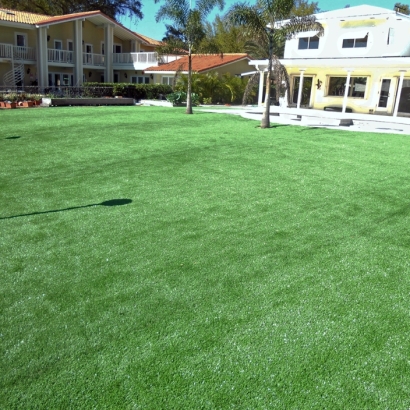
(11, 105)
(25, 104)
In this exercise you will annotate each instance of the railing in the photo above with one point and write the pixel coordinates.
(6, 50)
(131, 58)
(164, 59)
(17, 52)
(60, 56)
(93, 59)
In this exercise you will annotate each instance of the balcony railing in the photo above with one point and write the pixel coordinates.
(60, 56)
(17, 52)
(127, 60)
(93, 59)
(132, 58)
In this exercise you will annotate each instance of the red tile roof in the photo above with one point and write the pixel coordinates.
(200, 63)
(24, 17)
(73, 16)
(149, 40)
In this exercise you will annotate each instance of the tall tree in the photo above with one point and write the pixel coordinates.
(112, 8)
(304, 8)
(190, 22)
(268, 21)
(228, 37)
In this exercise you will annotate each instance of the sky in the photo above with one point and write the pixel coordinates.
(149, 27)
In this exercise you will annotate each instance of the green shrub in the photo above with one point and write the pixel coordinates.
(127, 90)
(179, 97)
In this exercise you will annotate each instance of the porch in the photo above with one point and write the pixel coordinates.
(125, 61)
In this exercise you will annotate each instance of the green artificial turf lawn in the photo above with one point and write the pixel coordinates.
(239, 268)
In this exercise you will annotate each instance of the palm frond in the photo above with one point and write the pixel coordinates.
(300, 24)
(206, 6)
(252, 84)
(249, 18)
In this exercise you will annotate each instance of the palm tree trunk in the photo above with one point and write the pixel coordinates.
(266, 114)
(265, 123)
(189, 96)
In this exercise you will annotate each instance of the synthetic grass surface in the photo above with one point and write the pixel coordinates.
(244, 268)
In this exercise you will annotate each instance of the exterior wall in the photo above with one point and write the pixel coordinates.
(236, 68)
(8, 35)
(62, 32)
(147, 48)
(93, 35)
(380, 41)
(320, 97)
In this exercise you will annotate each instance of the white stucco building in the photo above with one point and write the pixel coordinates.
(360, 64)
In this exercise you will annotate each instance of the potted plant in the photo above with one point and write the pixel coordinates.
(38, 98)
(10, 100)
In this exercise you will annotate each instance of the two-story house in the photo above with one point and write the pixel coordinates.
(71, 49)
(361, 63)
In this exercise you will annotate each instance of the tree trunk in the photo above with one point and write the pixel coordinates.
(189, 96)
(265, 123)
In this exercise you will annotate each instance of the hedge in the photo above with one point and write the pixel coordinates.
(136, 91)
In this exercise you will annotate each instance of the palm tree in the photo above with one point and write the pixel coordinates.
(269, 23)
(190, 22)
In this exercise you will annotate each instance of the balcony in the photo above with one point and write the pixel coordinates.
(92, 59)
(17, 53)
(139, 61)
(124, 61)
(60, 56)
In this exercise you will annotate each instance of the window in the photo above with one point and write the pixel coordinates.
(117, 48)
(21, 40)
(308, 43)
(357, 86)
(355, 42)
(140, 79)
(70, 45)
(168, 80)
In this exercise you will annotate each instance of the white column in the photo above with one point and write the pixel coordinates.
(261, 82)
(109, 43)
(398, 95)
(42, 58)
(346, 90)
(302, 71)
(78, 52)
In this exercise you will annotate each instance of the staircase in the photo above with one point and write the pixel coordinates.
(14, 76)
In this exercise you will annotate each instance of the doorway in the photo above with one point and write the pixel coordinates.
(385, 95)
(306, 90)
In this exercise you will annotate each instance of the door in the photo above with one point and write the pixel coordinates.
(58, 47)
(385, 95)
(306, 90)
(89, 53)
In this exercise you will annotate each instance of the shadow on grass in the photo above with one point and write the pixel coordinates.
(274, 126)
(12, 138)
(111, 202)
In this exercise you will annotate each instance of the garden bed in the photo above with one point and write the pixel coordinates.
(56, 102)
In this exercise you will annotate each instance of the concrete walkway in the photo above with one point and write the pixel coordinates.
(322, 119)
